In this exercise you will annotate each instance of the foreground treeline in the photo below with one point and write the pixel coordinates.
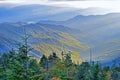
(16, 65)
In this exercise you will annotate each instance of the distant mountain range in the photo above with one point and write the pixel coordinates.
(97, 26)
(48, 33)
(101, 32)
(25, 13)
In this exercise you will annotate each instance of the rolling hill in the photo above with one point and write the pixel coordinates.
(100, 32)
(44, 38)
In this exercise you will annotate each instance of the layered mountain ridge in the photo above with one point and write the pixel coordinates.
(75, 32)
(44, 38)
(101, 32)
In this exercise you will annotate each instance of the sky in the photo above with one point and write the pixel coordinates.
(111, 5)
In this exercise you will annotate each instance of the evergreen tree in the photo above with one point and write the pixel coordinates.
(44, 62)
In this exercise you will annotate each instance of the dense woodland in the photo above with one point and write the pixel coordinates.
(17, 65)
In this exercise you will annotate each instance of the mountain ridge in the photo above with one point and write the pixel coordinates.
(44, 38)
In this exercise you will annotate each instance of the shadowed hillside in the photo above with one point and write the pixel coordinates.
(44, 38)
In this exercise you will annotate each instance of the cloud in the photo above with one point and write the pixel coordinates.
(112, 5)
(82, 0)
(41, 0)
(64, 0)
(11, 1)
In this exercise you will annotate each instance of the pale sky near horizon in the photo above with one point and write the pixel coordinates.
(112, 5)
